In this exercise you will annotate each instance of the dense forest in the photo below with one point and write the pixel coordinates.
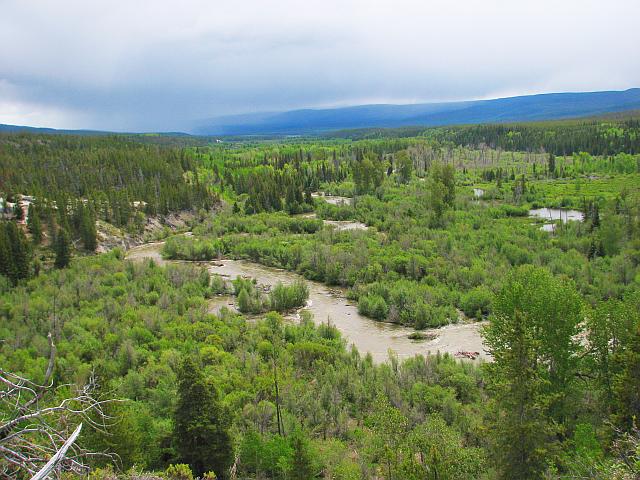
(605, 135)
(59, 186)
(534, 236)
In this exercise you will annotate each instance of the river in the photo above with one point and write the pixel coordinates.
(330, 304)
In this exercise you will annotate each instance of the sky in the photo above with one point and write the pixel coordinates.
(140, 65)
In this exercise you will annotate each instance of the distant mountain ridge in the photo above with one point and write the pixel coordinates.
(6, 128)
(547, 106)
(540, 107)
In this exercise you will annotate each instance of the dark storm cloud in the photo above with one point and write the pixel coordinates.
(157, 65)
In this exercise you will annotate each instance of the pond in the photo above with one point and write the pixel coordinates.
(553, 214)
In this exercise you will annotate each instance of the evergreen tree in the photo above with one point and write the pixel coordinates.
(201, 433)
(18, 214)
(88, 229)
(404, 166)
(308, 199)
(34, 224)
(368, 174)
(62, 249)
(302, 465)
(532, 340)
(14, 252)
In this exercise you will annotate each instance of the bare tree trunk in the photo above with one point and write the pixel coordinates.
(44, 472)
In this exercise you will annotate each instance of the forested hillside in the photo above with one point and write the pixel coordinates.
(110, 173)
(522, 243)
(71, 193)
(606, 135)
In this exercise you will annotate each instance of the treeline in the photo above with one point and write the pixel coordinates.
(601, 136)
(60, 186)
(113, 176)
(271, 178)
(560, 138)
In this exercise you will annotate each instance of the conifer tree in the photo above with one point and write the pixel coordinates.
(62, 249)
(34, 225)
(88, 229)
(201, 433)
(14, 253)
(551, 165)
(18, 214)
(302, 465)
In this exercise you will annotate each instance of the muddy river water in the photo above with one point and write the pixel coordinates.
(328, 304)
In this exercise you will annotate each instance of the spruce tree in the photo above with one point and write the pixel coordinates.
(88, 230)
(62, 249)
(302, 465)
(17, 211)
(14, 253)
(201, 433)
(34, 225)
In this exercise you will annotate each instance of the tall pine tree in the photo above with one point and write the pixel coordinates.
(62, 248)
(14, 252)
(34, 224)
(201, 433)
(88, 229)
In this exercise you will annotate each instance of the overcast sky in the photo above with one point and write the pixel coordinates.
(160, 65)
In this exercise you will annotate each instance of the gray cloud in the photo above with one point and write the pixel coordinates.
(157, 65)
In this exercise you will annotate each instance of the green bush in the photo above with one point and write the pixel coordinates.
(179, 471)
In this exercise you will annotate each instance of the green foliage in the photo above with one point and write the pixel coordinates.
(626, 385)
(87, 228)
(476, 303)
(302, 464)
(368, 174)
(559, 138)
(34, 224)
(14, 253)
(62, 249)
(179, 471)
(534, 325)
(286, 297)
(404, 166)
(373, 306)
(201, 431)
(135, 345)
(443, 454)
(191, 248)
(287, 399)
(110, 173)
